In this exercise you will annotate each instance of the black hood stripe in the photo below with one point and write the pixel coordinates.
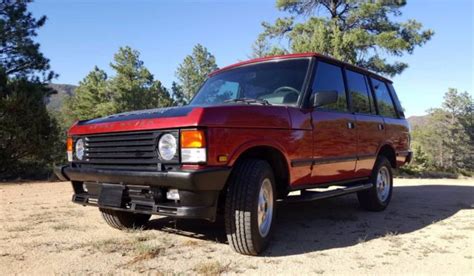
(141, 114)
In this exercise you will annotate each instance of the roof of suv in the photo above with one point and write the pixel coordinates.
(301, 55)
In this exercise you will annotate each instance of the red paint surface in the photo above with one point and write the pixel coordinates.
(298, 134)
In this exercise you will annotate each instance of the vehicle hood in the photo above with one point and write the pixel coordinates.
(233, 116)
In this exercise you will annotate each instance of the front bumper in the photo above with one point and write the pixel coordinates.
(145, 192)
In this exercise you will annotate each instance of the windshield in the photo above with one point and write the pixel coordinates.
(276, 82)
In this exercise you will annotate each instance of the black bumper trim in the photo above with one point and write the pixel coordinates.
(207, 179)
(58, 171)
(192, 212)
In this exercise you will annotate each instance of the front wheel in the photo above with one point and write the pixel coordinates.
(250, 206)
(378, 197)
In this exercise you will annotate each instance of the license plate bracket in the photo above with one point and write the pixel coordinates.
(111, 195)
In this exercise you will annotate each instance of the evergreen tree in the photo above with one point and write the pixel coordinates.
(177, 94)
(194, 70)
(20, 56)
(133, 85)
(29, 140)
(91, 99)
(262, 48)
(447, 138)
(355, 31)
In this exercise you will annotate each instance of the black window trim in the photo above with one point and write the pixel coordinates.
(372, 103)
(396, 101)
(374, 97)
(307, 102)
(302, 96)
(376, 100)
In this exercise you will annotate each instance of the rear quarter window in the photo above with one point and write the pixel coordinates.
(383, 98)
(398, 105)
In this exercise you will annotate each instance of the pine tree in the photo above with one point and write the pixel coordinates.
(447, 138)
(177, 94)
(92, 98)
(355, 31)
(134, 87)
(194, 70)
(29, 136)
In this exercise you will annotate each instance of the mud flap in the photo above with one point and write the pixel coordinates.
(111, 195)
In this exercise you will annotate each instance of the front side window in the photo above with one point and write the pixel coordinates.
(357, 86)
(384, 101)
(329, 78)
(278, 82)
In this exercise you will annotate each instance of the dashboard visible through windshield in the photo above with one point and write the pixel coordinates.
(278, 82)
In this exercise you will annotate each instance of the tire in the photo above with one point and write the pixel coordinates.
(124, 220)
(378, 197)
(250, 183)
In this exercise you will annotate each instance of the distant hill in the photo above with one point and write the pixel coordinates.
(64, 90)
(416, 121)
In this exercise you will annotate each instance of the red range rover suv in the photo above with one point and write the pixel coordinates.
(254, 132)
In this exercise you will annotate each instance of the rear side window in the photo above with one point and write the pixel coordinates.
(398, 105)
(359, 91)
(329, 78)
(384, 101)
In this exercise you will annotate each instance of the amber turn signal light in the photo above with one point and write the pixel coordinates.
(193, 138)
(69, 144)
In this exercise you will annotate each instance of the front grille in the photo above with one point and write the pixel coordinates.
(123, 151)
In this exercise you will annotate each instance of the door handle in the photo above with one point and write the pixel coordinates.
(381, 127)
(350, 125)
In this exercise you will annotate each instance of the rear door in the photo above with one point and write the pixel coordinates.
(396, 127)
(334, 136)
(369, 126)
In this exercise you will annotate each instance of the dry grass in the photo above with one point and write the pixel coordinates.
(211, 268)
(191, 243)
(63, 227)
(19, 228)
(112, 245)
(145, 252)
(427, 223)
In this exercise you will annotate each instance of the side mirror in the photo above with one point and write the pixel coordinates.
(322, 98)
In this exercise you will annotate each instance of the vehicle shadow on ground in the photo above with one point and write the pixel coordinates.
(340, 222)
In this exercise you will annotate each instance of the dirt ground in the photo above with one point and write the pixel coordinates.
(427, 229)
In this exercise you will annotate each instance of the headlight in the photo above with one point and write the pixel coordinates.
(79, 149)
(167, 147)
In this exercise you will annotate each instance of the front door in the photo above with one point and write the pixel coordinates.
(334, 134)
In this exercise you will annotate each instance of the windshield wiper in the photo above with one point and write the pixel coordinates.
(248, 100)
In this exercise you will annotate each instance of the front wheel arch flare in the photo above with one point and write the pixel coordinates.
(277, 161)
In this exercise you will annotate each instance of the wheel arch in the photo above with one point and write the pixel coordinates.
(389, 152)
(274, 156)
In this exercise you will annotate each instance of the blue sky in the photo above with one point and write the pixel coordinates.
(81, 34)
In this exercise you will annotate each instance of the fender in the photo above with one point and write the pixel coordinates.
(387, 143)
(258, 143)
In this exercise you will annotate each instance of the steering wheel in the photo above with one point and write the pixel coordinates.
(282, 88)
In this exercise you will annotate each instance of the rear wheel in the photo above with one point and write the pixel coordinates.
(250, 206)
(378, 197)
(124, 220)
